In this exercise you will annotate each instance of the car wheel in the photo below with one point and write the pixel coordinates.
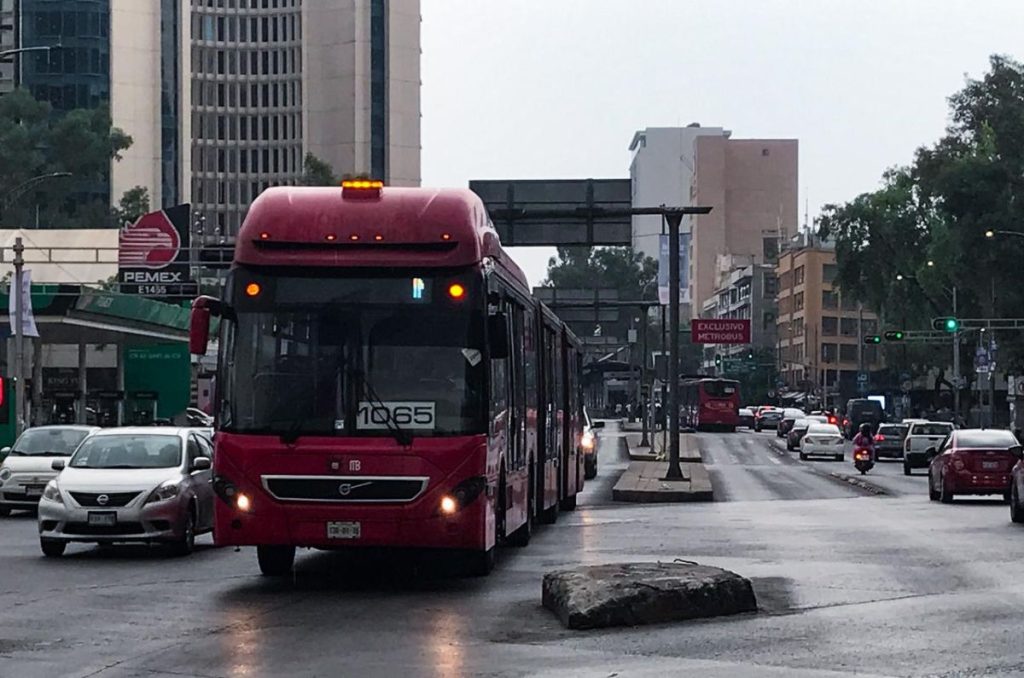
(803, 457)
(906, 469)
(840, 457)
(590, 468)
(945, 495)
(933, 494)
(186, 544)
(275, 561)
(5, 511)
(53, 548)
(1016, 512)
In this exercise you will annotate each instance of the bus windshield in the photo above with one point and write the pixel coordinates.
(313, 362)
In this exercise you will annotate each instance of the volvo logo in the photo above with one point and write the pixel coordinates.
(345, 489)
(102, 500)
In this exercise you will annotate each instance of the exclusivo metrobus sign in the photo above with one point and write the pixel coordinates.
(720, 331)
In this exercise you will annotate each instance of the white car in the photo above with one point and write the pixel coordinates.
(823, 440)
(921, 436)
(26, 466)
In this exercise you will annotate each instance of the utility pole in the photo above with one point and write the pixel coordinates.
(19, 338)
(674, 472)
(645, 403)
(956, 364)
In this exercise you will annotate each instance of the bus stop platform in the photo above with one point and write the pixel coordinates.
(643, 482)
(658, 449)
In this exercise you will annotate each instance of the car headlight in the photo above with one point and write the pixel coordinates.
(587, 441)
(5, 473)
(52, 493)
(168, 490)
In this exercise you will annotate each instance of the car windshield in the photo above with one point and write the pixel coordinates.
(989, 439)
(128, 451)
(48, 442)
(719, 388)
(331, 356)
(931, 429)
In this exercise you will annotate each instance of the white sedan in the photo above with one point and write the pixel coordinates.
(823, 440)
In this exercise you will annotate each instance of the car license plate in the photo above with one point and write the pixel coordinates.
(34, 490)
(990, 465)
(344, 530)
(103, 518)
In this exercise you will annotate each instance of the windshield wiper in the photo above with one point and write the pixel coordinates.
(401, 436)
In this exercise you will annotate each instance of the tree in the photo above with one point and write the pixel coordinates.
(937, 210)
(35, 142)
(133, 204)
(629, 272)
(316, 172)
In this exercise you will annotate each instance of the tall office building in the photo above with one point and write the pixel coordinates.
(751, 185)
(8, 41)
(273, 80)
(126, 54)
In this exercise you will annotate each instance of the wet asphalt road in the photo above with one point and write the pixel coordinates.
(849, 583)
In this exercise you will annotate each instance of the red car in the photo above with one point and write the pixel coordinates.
(972, 461)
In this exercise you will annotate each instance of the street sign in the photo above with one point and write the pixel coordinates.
(720, 331)
(862, 377)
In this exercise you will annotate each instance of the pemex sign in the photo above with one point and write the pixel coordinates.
(720, 331)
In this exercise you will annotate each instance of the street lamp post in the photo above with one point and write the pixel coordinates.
(11, 53)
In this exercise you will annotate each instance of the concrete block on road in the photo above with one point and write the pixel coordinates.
(631, 594)
(643, 482)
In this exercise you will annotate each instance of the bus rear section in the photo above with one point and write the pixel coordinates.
(711, 404)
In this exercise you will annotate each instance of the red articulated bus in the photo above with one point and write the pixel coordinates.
(385, 379)
(707, 403)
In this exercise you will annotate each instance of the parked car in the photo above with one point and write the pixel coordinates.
(972, 461)
(746, 417)
(823, 440)
(889, 440)
(588, 443)
(1017, 486)
(143, 484)
(920, 437)
(796, 433)
(26, 466)
(789, 415)
(862, 411)
(768, 419)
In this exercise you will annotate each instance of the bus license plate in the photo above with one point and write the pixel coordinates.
(344, 530)
(103, 519)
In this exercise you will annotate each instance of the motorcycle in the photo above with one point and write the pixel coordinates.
(862, 460)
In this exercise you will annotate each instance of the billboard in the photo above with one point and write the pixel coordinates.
(720, 331)
(153, 255)
(684, 269)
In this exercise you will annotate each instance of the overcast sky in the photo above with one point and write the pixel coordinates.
(529, 89)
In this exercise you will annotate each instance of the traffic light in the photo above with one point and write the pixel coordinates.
(894, 335)
(946, 324)
(872, 339)
(750, 355)
(718, 360)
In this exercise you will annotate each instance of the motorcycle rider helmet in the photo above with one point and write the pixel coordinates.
(865, 429)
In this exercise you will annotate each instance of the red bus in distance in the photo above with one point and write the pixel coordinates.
(708, 403)
(385, 379)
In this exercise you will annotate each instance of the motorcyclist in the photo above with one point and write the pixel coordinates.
(864, 440)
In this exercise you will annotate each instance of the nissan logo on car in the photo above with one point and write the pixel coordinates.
(102, 500)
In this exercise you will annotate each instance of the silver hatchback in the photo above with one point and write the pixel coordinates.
(150, 485)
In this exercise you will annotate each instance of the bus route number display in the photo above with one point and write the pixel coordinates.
(406, 414)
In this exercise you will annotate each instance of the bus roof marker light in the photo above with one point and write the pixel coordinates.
(456, 291)
(253, 290)
(446, 236)
(378, 237)
(330, 237)
(264, 236)
(361, 188)
(353, 237)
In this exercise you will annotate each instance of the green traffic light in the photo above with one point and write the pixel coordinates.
(952, 324)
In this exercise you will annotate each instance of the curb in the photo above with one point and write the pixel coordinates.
(859, 483)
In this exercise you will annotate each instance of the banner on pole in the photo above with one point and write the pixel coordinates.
(28, 321)
(684, 269)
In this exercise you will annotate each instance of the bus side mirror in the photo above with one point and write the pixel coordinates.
(497, 335)
(199, 324)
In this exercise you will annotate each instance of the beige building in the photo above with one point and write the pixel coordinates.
(751, 186)
(274, 80)
(820, 334)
